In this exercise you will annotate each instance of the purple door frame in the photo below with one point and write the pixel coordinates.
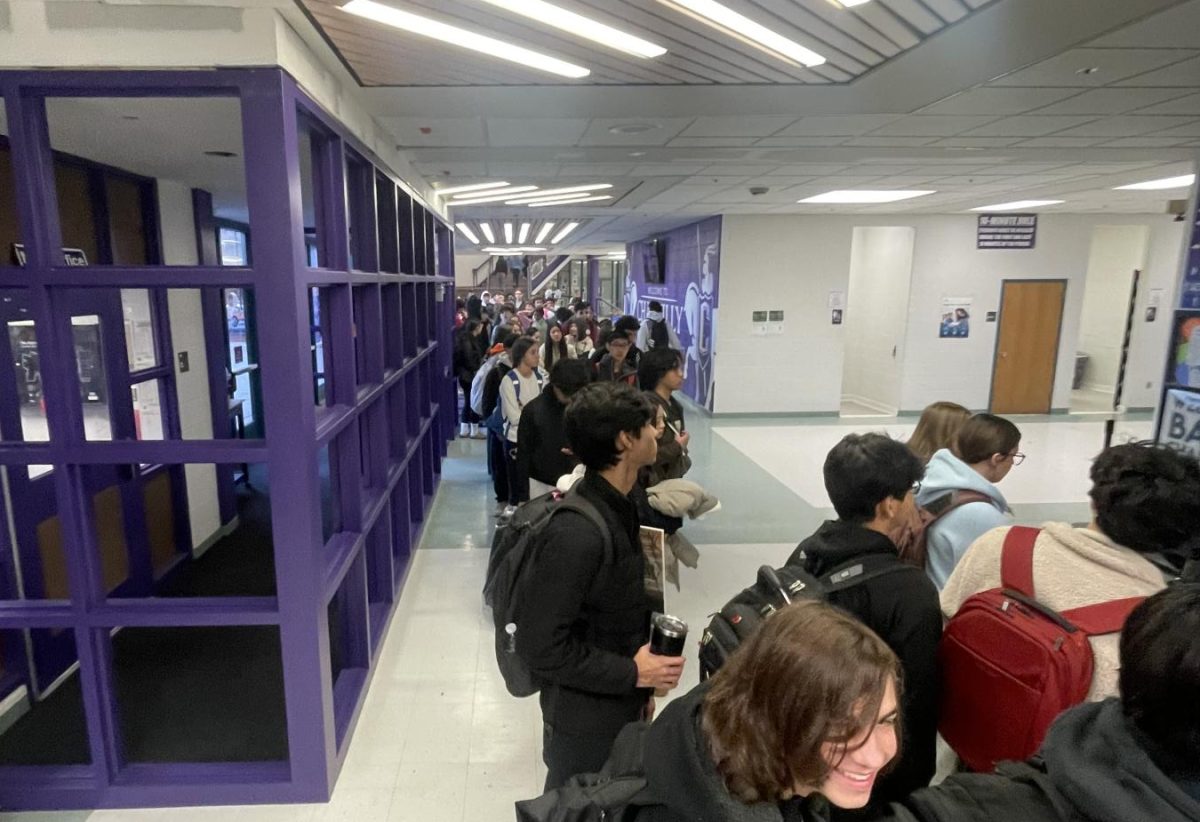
(404, 380)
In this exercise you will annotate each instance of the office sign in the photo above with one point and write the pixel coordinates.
(1007, 231)
(72, 257)
(1180, 426)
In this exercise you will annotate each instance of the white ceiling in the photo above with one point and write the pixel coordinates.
(995, 108)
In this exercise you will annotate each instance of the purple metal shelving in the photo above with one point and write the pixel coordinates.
(386, 324)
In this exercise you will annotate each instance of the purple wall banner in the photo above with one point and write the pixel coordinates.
(684, 272)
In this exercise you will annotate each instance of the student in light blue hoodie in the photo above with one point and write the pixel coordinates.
(986, 449)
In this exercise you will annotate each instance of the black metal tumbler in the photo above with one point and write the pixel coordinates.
(668, 635)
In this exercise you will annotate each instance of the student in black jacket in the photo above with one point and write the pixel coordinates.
(871, 480)
(1120, 760)
(541, 436)
(497, 462)
(587, 640)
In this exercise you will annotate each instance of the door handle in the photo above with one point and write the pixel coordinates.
(1004, 355)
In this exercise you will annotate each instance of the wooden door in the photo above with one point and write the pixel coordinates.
(1027, 346)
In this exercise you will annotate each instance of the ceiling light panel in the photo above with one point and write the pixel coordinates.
(1017, 205)
(844, 197)
(455, 36)
(523, 233)
(490, 196)
(466, 231)
(508, 233)
(747, 30)
(1157, 185)
(557, 198)
(476, 187)
(576, 201)
(554, 192)
(563, 232)
(543, 232)
(488, 235)
(580, 26)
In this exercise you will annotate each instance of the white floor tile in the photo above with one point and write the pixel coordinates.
(429, 791)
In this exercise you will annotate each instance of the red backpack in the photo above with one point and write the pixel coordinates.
(1010, 665)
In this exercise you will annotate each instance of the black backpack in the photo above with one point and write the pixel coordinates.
(616, 794)
(515, 547)
(773, 589)
(659, 336)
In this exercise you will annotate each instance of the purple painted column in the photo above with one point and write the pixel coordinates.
(277, 244)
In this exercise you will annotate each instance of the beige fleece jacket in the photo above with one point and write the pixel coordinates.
(1072, 567)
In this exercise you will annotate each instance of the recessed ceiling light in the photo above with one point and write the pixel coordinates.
(637, 154)
(563, 232)
(633, 128)
(468, 233)
(490, 196)
(542, 232)
(849, 3)
(1156, 185)
(508, 233)
(577, 24)
(1017, 205)
(748, 31)
(557, 193)
(442, 192)
(523, 233)
(486, 228)
(436, 30)
(573, 201)
(864, 196)
(497, 251)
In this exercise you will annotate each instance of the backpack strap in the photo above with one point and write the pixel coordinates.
(858, 571)
(1104, 617)
(1016, 559)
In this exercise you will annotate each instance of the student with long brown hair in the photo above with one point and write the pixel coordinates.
(937, 428)
(804, 716)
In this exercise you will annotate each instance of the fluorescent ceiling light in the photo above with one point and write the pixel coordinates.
(468, 233)
(516, 249)
(563, 232)
(1156, 185)
(745, 29)
(508, 233)
(490, 196)
(442, 192)
(542, 232)
(523, 233)
(850, 3)
(581, 26)
(426, 27)
(864, 196)
(486, 228)
(576, 201)
(557, 198)
(552, 192)
(1017, 205)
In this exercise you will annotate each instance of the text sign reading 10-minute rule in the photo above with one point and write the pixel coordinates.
(1007, 231)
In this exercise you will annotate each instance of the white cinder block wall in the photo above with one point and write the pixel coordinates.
(793, 262)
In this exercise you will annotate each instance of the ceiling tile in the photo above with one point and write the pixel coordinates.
(501, 168)
(1185, 74)
(1124, 126)
(887, 142)
(431, 131)
(1175, 27)
(712, 142)
(1113, 65)
(505, 132)
(1026, 125)
(1060, 142)
(1191, 129)
(977, 142)
(998, 101)
(799, 142)
(930, 126)
(736, 126)
(1109, 101)
(837, 125)
(1146, 142)
(600, 133)
(1180, 105)
(666, 170)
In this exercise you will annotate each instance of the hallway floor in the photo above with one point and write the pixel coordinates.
(439, 737)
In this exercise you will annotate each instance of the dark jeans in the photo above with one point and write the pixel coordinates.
(518, 483)
(568, 754)
(497, 464)
(468, 415)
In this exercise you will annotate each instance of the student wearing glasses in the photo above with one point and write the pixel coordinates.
(985, 450)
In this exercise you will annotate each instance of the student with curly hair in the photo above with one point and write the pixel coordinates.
(1146, 505)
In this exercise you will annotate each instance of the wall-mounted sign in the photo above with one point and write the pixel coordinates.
(1189, 292)
(73, 257)
(1006, 231)
(1180, 427)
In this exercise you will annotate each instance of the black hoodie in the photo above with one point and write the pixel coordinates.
(1093, 767)
(903, 608)
(681, 775)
